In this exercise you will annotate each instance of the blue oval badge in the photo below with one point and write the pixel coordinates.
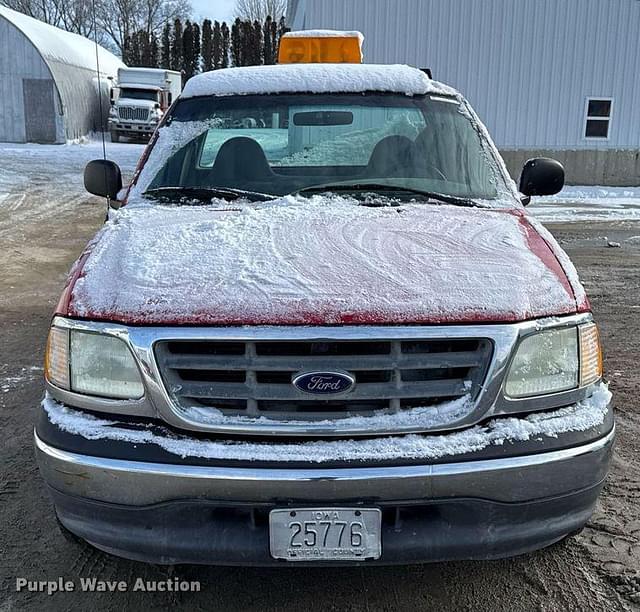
(324, 383)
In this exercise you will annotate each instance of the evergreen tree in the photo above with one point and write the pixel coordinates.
(208, 61)
(191, 49)
(197, 48)
(177, 54)
(154, 51)
(138, 41)
(216, 46)
(187, 50)
(226, 46)
(146, 54)
(280, 30)
(256, 58)
(126, 51)
(246, 34)
(137, 49)
(165, 56)
(268, 44)
(237, 43)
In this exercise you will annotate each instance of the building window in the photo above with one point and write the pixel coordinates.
(598, 117)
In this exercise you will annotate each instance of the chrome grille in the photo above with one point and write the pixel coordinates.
(254, 378)
(133, 113)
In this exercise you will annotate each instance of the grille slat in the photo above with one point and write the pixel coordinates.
(254, 378)
(436, 388)
(295, 364)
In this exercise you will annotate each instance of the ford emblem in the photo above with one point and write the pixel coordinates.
(324, 383)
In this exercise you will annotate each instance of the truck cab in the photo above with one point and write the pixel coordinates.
(320, 327)
(139, 99)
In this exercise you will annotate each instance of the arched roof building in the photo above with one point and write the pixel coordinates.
(49, 86)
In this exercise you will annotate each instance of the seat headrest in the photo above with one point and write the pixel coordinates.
(241, 158)
(390, 156)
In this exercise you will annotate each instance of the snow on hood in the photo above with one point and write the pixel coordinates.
(582, 416)
(324, 260)
(314, 78)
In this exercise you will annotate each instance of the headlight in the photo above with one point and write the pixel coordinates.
(555, 360)
(113, 113)
(93, 364)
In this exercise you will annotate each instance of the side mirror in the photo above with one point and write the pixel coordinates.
(541, 176)
(103, 178)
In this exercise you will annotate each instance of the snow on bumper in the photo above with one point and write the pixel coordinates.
(582, 416)
(554, 471)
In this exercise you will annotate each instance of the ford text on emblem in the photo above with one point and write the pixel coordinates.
(324, 383)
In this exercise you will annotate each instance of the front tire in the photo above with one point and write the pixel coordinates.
(115, 137)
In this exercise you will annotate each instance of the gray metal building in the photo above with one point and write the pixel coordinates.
(549, 77)
(49, 86)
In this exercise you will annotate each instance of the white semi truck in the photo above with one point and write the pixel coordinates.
(139, 99)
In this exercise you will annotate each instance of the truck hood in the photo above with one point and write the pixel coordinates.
(136, 102)
(320, 261)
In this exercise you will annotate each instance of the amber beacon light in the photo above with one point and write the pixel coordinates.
(321, 46)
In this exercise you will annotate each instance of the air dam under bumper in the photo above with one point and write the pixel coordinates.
(482, 509)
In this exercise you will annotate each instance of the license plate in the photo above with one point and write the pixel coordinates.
(325, 534)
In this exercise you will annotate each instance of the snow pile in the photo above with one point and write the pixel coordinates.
(579, 417)
(427, 417)
(314, 78)
(588, 204)
(323, 260)
(9, 383)
(325, 34)
(577, 193)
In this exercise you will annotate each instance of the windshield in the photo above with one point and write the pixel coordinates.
(281, 144)
(139, 94)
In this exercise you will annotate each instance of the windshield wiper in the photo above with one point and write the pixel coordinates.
(431, 195)
(205, 194)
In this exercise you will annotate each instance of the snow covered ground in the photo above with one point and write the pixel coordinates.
(589, 204)
(60, 167)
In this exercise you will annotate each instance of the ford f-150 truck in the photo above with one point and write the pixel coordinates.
(320, 327)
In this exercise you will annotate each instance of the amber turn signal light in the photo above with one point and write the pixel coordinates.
(590, 354)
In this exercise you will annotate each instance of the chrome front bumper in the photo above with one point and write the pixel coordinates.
(505, 480)
(132, 127)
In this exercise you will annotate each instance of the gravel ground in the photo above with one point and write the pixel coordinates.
(45, 220)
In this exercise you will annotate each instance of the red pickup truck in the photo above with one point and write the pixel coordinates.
(320, 327)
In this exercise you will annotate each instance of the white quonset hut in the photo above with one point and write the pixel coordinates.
(549, 77)
(49, 89)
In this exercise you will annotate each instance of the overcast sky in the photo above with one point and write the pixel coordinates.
(222, 10)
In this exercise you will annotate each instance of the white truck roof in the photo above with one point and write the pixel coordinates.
(151, 78)
(314, 78)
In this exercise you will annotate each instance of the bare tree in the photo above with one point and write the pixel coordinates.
(259, 10)
(71, 15)
(116, 20)
(44, 10)
(119, 19)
